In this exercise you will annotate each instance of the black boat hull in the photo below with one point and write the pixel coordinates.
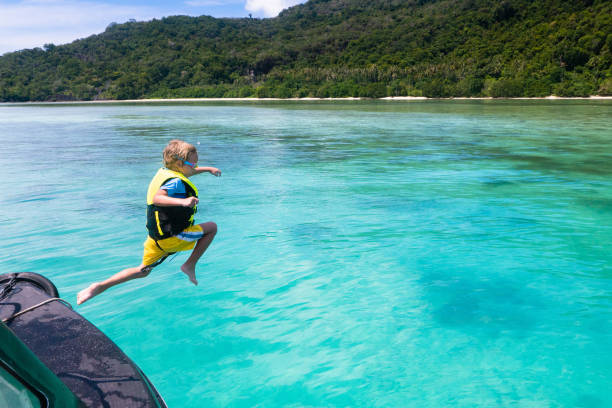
(79, 354)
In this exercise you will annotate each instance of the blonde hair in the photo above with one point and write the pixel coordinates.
(175, 151)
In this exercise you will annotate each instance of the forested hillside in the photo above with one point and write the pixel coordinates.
(334, 48)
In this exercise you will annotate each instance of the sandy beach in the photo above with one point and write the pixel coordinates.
(388, 98)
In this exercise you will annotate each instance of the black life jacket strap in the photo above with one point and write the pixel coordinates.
(157, 244)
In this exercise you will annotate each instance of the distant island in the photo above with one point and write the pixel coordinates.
(334, 49)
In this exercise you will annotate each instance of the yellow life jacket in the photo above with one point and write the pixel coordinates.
(165, 222)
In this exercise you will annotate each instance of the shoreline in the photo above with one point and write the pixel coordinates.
(387, 98)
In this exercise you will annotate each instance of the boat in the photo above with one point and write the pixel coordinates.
(51, 356)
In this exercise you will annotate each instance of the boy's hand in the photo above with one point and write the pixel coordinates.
(215, 171)
(190, 202)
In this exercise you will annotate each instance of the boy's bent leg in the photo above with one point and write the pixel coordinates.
(210, 230)
(125, 275)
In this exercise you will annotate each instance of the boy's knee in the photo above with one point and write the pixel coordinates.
(209, 228)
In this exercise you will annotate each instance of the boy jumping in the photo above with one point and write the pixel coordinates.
(171, 205)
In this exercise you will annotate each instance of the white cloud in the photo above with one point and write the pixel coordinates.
(33, 23)
(270, 8)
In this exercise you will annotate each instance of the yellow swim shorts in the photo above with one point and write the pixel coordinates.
(154, 254)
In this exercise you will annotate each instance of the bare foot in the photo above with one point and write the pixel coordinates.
(190, 272)
(89, 292)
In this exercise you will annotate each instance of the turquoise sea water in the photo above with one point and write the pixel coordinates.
(369, 254)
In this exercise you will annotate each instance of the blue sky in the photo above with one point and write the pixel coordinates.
(33, 23)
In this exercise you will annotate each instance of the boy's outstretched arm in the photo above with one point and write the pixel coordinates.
(212, 170)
